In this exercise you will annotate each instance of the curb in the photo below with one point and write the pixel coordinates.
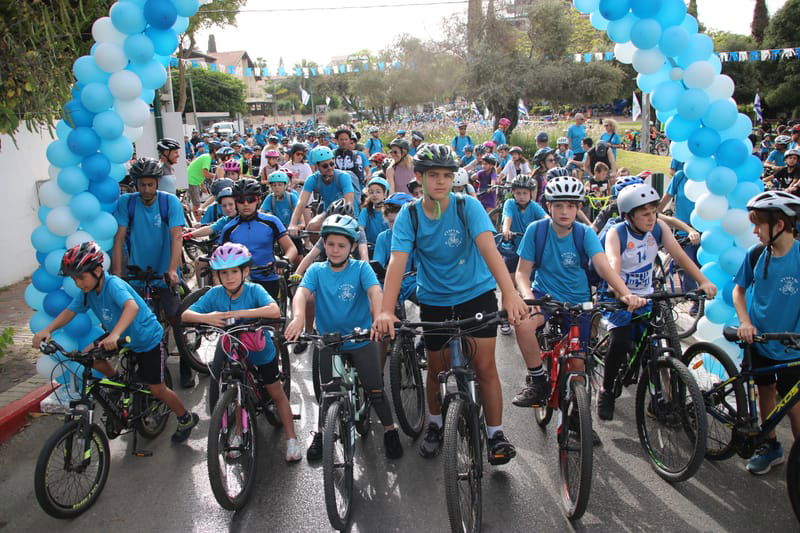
(15, 415)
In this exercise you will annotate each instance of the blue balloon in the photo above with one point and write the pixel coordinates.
(86, 71)
(71, 369)
(716, 240)
(672, 13)
(56, 301)
(39, 320)
(128, 18)
(42, 213)
(148, 95)
(742, 194)
(164, 41)
(727, 291)
(118, 172)
(716, 63)
(645, 8)
(104, 226)
(740, 129)
(721, 115)
(139, 48)
(106, 244)
(698, 168)
(667, 95)
(679, 129)
(72, 180)
(674, 41)
(34, 298)
(692, 104)
(160, 14)
(614, 9)
(84, 206)
(45, 242)
(680, 151)
(152, 74)
(44, 281)
(648, 82)
(62, 129)
(96, 97)
(108, 125)
(164, 60)
(732, 153)
(83, 141)
(76, 115)
(187, 8)
(690, 24)
(703, 142)
(75, 92)
(70, 288)
(699, 47)
(750, 170)
(715, 274)
(664, 116)
(731, 259)
(117, 150)
(106, 190)
(96, 166)
(110, 207)
(40, 257)
(181, 25)
(718, 311)
(60, 155)
(619, 30)
(598, 22)
(645, 33)
(721, 181)
(78, 326)
(701, 224)
(53, 262)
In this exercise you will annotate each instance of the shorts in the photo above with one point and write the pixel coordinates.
(584, 322)
(485, 303)
(273, 287)
(150, 365)
(785, 379)
(269, 372)
(194, 195)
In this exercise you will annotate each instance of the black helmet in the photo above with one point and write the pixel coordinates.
(601, 148)
(218, 185)
(490, 158)
(214, 146)
(541, 154)
(298, 147)
(274, 139)
(434, 156)
(146, 167)
(542, 137)
(411, 185)
(417, 135)
(400, 143)
(246, 187)
(166, 144)
(504, 147)
(339, 207)
(523, 181)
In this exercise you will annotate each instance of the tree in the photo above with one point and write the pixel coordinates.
(692, 8)
(745, 74)
(215, 91)
(760, 21)
(782, 77)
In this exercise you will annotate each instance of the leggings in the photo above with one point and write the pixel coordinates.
(618, 347)
(367, 362)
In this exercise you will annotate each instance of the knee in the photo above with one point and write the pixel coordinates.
(376, 396)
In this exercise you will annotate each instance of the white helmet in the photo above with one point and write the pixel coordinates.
(783, 139)
(782, 201)
(461, 179)
(562, 140)
(634, 196)
(564, 188)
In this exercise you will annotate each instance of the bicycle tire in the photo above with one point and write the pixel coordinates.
(286, 383)
(408, 389)
(674, 283)
(598, 349)
(793, 478)
(462, 439)
(42, 480)
(575, 492)
(496, 216)
(224, 411)
(188, 340)
(364, 423)
(681, 410)
(337, 430)
(316, 379)
(709, 365)
(153, 413)
(544, 414)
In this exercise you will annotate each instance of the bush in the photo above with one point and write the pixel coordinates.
(336, 118)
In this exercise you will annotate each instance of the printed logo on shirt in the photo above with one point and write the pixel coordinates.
(631, 245)
(157, 220)
(789, 286)
(569, 259)
(105, 316)
(347, 292)
(452, 238)
(650, 240)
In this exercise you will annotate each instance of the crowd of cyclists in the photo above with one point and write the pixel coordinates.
(460, 230)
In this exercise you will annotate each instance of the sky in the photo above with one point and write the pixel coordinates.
(319, 35)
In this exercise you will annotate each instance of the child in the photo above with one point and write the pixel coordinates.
(775, 158)
(516, 166)
(623, 171)
(370, 218)
(345, 291)
(415, 188)
(765, 146)
(122, 313)
(518, 213)
(461, 184)
(598, 183)
(271, 165)
(773, 307)
(224, 206)
(503, 156)
(383, 244)
(377, 163)
(468, 156)
(485, 178)
(247, 162)
(241, 300)
(563, 153)
(280, 201)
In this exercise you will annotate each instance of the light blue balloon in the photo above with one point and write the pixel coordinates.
(44, 241)
(118, 172)
(187, 8)
(108, 125)
(645, 8)
(715, 275)
(69, 344)
(703, 142)
(619, 31)
(72, 180)
(740, 129)
(690, 24)
(84, 206)
(181, 24)
(34, 298)
(164, 60)
(648, 82)
(148, 95)
(102, 227)
(716, 240)
(731, 259)
(39, 320)
(53, 263)
(83, 141)
(646, 33)
(672, 13)
(152, 74)
(727, 291)
(718, 311)
(664, 116)
(680, 151)
(614, 9)
(598, 21)
(700, 46)
(750, 170)
(692, 104)
(164, 41)
(721, 181)
(674, 41)
(139, 48)
(138, 3)
(699, 168)
(117, 150)
(716, 63)
(96, 97)
(732, 153)
(62, 129)
(70, 288)
(106, 244)
(667, 95)
(701, 224)
(59, 155)
(44, 281)
(109, 207)
(42, 213)
(679, 129)
(86, 71)
(704, 257)
(742, 193)
(128, 18)
(721, 115)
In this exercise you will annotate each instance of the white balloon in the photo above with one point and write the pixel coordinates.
(623, 52)
(721, 88)
(736, 222)
(747, 240)
(110, 57)
(53, 172)
(61, 222)
(45, 366)
(134, 112)
(104, 31)
(699, 75)
(711, 206)
(133, 134)
(707, 330)
(676, 74)
(695, 189)
(77, 238)
(125, 85)
(51, 195)
(648, 61)
(106, 261)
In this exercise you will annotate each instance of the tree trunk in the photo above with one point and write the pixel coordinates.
(183, 54)
(508, 110)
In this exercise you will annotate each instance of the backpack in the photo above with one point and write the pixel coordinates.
(461, 202)
(752, 257)
(454, 142)
(540, 235)
(163, 209)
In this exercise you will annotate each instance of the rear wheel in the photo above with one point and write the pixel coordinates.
(793, 478)
(463, 467)
(337, 465)
(408, 390)
(152, 413)
(575, 451)
(194, 343)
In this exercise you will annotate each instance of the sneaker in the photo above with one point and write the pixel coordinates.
(605, 405)
(234, 447)
(573, 429)
(431, 443)
(694, 310)
(300, 347)
(535, 393)
(391, 444)
(293, 453)
(500, 450)
(505, 328)
(183, 430)
(314, 451)
(767, 455)
(422, 359)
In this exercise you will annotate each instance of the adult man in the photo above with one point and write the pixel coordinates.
(168, 153)
(151, 222)
(576, 133)
(374, 145)
(461, 141)
(345, 157)
(416, 139)
(261, 139)
(542, 140)
(199, 171)
(499, 136)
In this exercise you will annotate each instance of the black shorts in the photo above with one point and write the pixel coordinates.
(485, 303)
(150, 365)
(785, 378)
(272, 287)
(270, 372)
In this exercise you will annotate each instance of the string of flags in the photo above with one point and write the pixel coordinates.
(725, 57)
(282, 72)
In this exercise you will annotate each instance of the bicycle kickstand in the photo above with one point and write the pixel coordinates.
(136, 451)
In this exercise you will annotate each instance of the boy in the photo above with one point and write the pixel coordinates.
(598, 183)
(279, 201)
(383, 244)
(775, 158)
(468, 156)
(415, 189)
(518, 213)
(563, 153)
(773, 308)
(122, 313)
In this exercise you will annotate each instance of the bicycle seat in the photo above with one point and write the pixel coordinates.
(731, 334)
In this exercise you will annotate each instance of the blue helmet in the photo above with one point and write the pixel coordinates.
(623, 182)
(278, 176)
(340, 225)
(399, 199)
(319, 154)
(379, 181)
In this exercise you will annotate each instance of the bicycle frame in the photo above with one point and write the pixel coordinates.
(569, 347)
(343, 385)
(466, 380)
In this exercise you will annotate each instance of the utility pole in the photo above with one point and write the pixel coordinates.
(194, 107)
(645, 148)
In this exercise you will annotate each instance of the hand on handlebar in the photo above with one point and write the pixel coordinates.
(109, 343)
(188, 235)
(507, 235)
(295, 277)
(694, 238)
(40, 337)
(516, 308)
(293, 329)
(384, 324)
(709, 288)
(633, 302)
(747, 331)
(217, 318)
(294, 229)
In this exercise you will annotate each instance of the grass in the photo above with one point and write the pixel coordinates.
(636, 162)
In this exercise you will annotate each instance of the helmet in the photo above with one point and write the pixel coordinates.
(462, 125)
(298, 147)
(413, 184)
(480, 149)
(399, 199)
(564, 188)
(400, 143)
(516, 150)
(225, 144)
(469, 148)
(541, 154)
(490, 158)
(557, 172)
(288, 171)
(247, 150)
(636, 196)
(84, 257)
(340, 207)
(373, 129)
(319, 154)
(214, 146)
(434, 156)
(311, 133)
(284, 140)
(279, 176)
(232, 166)
(623, 182)
(783, 139)
(166, 144)
(340, 225)
(273, 139)
(417, 135)
(401, 132)
(225, 192)
(461, 179)
(146, 167)
(225, 150)
(272, 153)
(378, 157)
(489, 144)
(793, 151)
(379, 181)
(504, 122)
(246, 187)
(218, 185)
(601, 148)
(230, 255)
(523, 181)
(788, 204)
(542, 137)
(503, 147)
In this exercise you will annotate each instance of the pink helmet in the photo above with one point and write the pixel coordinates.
(231, 166)
(272, 153)
(229, 255)
(489, 144)
(504, 122)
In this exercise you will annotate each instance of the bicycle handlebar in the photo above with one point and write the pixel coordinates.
(332, 339)
(463, 323)
(98, 352)
(787, 338)
(135, 273)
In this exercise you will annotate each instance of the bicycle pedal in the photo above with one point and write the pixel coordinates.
(142, 453)
(296, 416)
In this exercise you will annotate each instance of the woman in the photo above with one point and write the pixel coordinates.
(516, 166)
(610, 135)
(401, 169)
(543, 160)
(297, 163)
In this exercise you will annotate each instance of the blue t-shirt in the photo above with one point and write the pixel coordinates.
(150, 240)
(676, 165)
(576, 134)
(259, 235)
(611, 138)
(459, 143)
(450, 270)
(774, 302)
(374, 145)
(382, 254)
(212, 214)
(504, 161)
(560, 275)
(412, 150)
(220, 223)
(683, 206)
(253, 296)
(499, 137)
(563, 157)
(329, 193)
(521, 219)
(145, 331)
(341, 301)
(283, 208)
(776, 158)
(373, 223)
(261, 139)
(466, 160)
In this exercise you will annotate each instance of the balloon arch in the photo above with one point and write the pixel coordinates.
(116, 84)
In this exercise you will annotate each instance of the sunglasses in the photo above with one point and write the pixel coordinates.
(246, 199)
(326, 165)
(550, 160)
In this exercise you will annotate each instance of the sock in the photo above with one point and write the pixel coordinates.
(185, 418)
(491, 430)
(436, 419)
(536, 371)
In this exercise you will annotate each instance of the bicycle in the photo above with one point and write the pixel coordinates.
(496, 214)
(670, 428)
(73, 465)
(232, 455)
(671, 276)
(595, 204)
(198, 252)
(659, 145)
(729, 397)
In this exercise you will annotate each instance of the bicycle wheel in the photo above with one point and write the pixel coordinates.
(72, 469)
(575, 451)
(543, 414)
(282, 353)
(662, 149)
(710, 366)
(793, 478)
(337, 464)
(152, 413)
(193, 343)
(598, 349)
(315, 373)
(364, 423)
(671, 276)
(408, 389)
(232, 450)
(496, 216)
(463, 467)
(670, 419)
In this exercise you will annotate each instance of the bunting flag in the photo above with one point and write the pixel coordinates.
(636, 109)
(725, 57)
(757, 107)
(521, 109)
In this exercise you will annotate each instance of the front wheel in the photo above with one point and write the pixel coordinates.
(337, 465)
(408, 389)
(316, 379)
(575, 451)
(193, 344)
(72, 469)
(152, 413)
(793, 478)
(463, 467)
(544, 413)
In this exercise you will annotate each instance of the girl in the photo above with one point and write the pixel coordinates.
(401, 169)
(224, 155)
(461, 183)
(271, 165)
(517, 166)
(486, 178)
(232, 169)
(370, 219)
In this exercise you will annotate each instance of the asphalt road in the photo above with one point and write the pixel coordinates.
(170, 490)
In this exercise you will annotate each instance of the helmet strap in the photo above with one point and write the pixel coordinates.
(437, 212)
(97, 280)
(340, 263)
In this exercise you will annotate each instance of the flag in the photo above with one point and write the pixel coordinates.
(304, 96)
(475, 109)
(521, 109)
(346, 99)
(757, 107)
(485, 112)
(636, 109)
(327, 100)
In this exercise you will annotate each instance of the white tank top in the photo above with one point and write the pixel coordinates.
(637, 260)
